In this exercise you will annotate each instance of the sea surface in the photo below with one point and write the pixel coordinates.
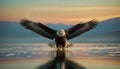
(41, 56)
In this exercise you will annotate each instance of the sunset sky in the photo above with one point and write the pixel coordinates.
(59, 11)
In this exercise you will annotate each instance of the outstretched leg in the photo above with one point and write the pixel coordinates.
(52, 44)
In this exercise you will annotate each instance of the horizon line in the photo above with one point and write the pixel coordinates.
(59, 22)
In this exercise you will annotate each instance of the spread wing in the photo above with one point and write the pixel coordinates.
(80, 28)
(38, 28)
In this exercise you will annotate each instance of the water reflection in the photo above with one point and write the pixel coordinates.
(60, 62)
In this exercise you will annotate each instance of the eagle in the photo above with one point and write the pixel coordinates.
(60, 37)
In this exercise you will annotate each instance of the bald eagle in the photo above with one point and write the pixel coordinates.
(61, 36)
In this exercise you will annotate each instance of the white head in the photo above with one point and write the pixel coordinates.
(61, 33)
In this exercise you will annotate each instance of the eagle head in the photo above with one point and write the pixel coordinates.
(61, 33)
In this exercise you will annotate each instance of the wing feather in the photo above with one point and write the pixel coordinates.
(80, 28)
(38, 28)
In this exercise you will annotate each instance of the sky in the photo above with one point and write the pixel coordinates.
(59, 11)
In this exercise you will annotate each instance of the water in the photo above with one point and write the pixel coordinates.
(41, 56)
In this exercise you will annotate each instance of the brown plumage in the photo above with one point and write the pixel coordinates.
(52, 34)
(80, 28)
